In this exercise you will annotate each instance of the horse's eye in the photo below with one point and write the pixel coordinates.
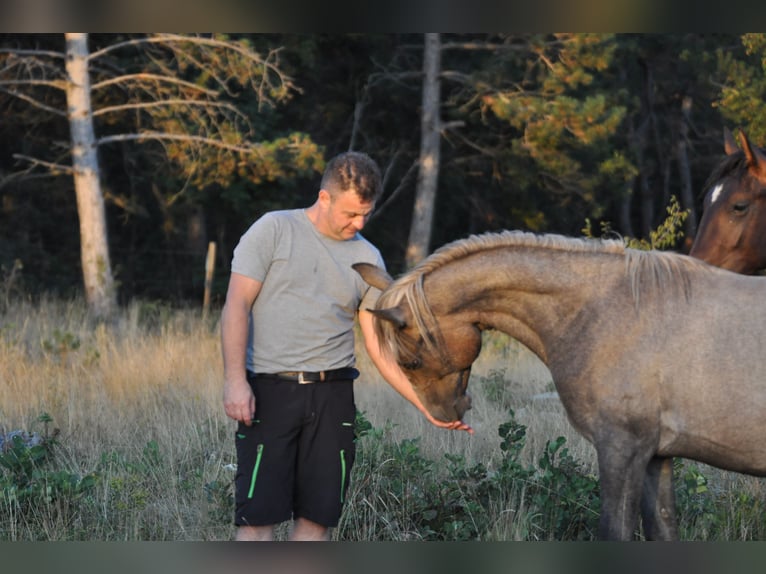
(740, 207)
(414, 364)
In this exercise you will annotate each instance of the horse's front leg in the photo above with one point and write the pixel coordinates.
(622, 464)
(658, 501)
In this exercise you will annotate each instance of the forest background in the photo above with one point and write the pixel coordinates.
(194, 137)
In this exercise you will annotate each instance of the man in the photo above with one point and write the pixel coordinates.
(288, 351)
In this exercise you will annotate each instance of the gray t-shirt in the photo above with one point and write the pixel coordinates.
(303, 317)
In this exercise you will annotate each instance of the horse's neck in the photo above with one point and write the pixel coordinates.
(532, 295)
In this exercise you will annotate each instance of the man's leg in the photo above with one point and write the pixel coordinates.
(326, 455)
(255, 534)
(265, 460)
(305, 529)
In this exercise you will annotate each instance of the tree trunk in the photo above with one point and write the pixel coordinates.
(687, 192)
(626, 202)
(626, 222)
(425, 193)
(94, 247)
(646, 194)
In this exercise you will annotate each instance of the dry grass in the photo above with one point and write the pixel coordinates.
(155, 376)
(107, 385)
(133, 381)
(148, 387)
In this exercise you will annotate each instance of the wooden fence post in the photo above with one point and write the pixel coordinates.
(209, 268)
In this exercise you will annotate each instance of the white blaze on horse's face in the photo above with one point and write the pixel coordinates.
(716, 193)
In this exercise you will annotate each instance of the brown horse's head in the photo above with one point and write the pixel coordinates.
(436, 357)
(732, 232)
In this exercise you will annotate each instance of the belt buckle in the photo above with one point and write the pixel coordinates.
(304, 381)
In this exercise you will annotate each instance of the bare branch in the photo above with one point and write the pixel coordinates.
(399, 189)
(485, 46)
(397, 77)
(490, 46)
(168, 38)
(34, 102)
(30, 67)
(176, 102)
(455, 76)
(54, 168)
(211, 42)
(547, 61)
(447, 126)
(25, 175)
(58, 84)
(471, 47)
(483, 150)
(124, 44)
(49, 53)
(180, 54)
(162, 136)
(158, 78)
(390, 166)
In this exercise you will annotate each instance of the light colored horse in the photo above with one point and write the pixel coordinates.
(654, 354)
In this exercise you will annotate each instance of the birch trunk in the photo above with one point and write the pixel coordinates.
(94, 247)
(425, 193)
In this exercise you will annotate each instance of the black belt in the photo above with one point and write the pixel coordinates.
(304, 377)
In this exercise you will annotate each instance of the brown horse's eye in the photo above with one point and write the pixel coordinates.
(740, 207)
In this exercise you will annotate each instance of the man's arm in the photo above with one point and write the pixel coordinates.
(238, 399)
(394, 376)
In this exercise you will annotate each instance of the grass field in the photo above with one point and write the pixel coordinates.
(143, 450)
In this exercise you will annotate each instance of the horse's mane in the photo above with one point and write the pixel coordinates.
(474, 243)
(660, 272)
(732, 164)
(655, 270)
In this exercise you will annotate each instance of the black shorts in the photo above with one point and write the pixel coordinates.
(296, 458)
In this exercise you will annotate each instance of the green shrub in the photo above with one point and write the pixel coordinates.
(665, 236)
(32, 487)
(460, 501)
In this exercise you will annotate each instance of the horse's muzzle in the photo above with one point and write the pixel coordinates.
(462, 404)
(462, 400)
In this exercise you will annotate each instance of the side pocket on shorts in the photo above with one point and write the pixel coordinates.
(347, 456)
(342, 475)
(254, 476)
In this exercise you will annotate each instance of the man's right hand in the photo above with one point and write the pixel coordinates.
(239, 401)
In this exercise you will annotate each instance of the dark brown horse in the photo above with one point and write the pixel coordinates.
(732, 232)
(654, 355)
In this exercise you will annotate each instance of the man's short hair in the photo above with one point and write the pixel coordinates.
(355, 171)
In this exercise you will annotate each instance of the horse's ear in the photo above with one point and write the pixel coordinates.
(392, 314)
(373, 275)
(756, 160)
(729, 144)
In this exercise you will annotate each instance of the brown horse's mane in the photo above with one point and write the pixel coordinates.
(656, 270)
(733, 164)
